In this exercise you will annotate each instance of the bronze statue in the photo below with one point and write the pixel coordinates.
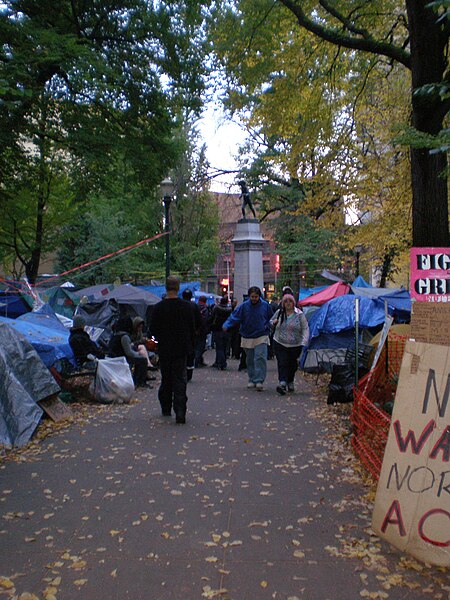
(246, 201)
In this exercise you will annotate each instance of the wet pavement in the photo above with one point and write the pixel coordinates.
(256, 497)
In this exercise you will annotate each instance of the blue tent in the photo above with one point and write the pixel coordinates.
(332, 326)
(361, 282)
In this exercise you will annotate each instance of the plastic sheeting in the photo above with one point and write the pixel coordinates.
(24, 380)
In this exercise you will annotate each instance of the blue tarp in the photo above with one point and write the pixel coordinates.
(51, 341)
(305, 292)
(45, 317)
(398, 299)
(338, 314)
(160, 290)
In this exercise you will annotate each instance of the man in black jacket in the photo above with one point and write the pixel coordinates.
(172, 324)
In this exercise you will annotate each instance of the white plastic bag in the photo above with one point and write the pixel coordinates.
(113, 380)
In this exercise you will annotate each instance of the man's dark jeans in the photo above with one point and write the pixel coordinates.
(172, 391)
(200, 346)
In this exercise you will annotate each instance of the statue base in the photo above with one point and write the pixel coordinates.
(248, 244)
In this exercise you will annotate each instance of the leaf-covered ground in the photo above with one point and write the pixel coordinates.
(256, 497)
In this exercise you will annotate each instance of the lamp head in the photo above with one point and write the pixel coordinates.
(166, 188)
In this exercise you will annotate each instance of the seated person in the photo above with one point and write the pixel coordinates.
(140, 344)
(81, 343)
(121, 345)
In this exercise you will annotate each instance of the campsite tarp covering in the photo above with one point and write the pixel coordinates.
(51, 341)
(338, 289)
(24, 381)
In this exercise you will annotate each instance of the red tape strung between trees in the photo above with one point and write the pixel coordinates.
(92, 262)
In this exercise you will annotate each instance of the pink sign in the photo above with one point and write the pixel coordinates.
(430, 274)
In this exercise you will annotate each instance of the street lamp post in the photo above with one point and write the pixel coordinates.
(166, 189)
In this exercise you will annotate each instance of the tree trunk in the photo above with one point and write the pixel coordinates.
(386, 268)
(32, 265)
(428, 171)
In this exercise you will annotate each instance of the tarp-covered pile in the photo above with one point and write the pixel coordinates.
(24, 380)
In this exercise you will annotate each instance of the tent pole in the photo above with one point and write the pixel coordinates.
(356, 340)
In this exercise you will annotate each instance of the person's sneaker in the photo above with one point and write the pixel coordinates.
(180, 420)
(281, 389)
(291, 387)
(250, 384)
(259, 387)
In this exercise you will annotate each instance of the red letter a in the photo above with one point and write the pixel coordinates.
(398, 520)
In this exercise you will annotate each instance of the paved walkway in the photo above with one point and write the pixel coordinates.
(255, 498)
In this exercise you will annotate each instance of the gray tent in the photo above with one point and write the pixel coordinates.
(136, 299)
(24, 380)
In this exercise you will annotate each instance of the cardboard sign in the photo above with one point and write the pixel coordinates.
(55, 408)
(430, 274)
(430, 322)
(412, 505)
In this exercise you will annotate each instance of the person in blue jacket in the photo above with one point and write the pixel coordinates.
(253, 316)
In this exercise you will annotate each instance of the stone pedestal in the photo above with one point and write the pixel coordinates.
(248, 246)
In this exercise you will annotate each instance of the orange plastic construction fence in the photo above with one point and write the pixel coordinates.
(373, 401)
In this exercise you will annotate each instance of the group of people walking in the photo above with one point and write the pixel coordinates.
(288, 329)
(180, 328)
